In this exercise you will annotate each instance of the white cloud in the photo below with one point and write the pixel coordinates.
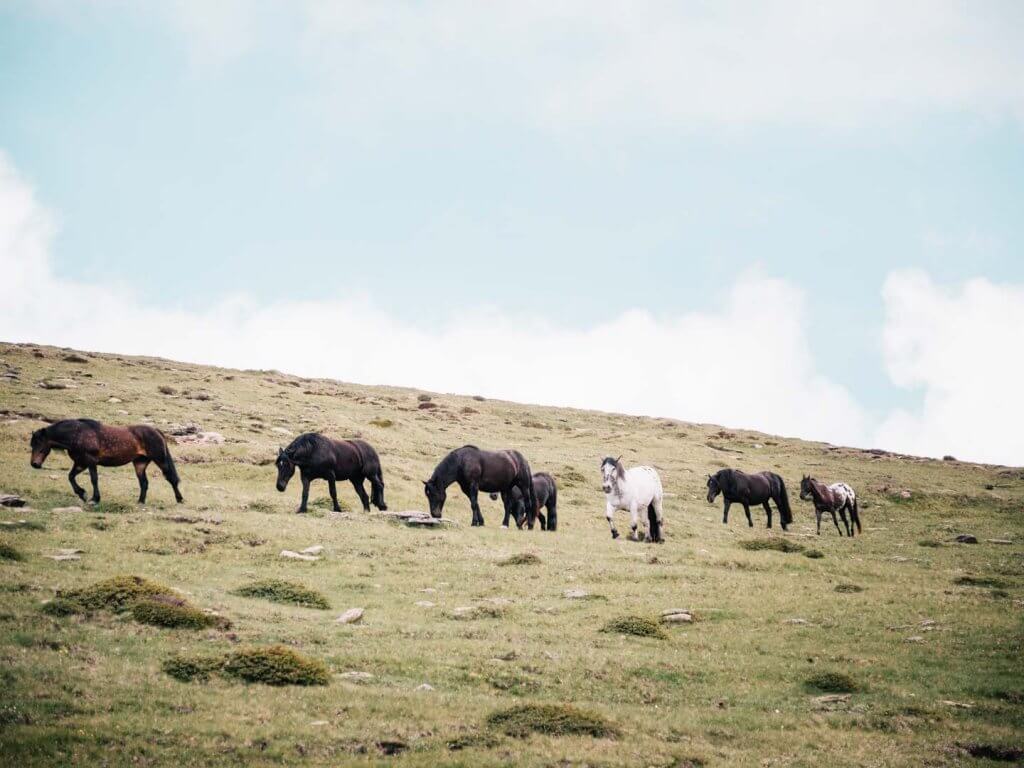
(963, 349)
(747, 365)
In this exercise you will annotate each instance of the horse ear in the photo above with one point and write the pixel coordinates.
(425, 482)
(619, 460)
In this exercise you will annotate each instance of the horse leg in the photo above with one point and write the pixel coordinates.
(332, 488)
(817, 514)
(478, 518)
(542, 520)
(836, 523)
(140, 473)
(95, 480)
(634, 521)
(725, 511)
(653, 531)
(846, 523)
(609, 512)
(506, 503)
(750, 520)
(166, 466)
(552, 512)
(357, 483)
(79, 490)
(658, 522)
(768, 511)
(305, 493)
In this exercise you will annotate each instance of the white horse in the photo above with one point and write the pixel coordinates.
(633, 489)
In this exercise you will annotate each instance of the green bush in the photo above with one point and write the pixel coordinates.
(170, 615)
(275, 665)
(188, 669)
(814, 554)
(278, 591)
(640, 626)
(848, 588)
(61, 607)
(7, 552)
(550, 719)
(779, 545)
(831, 682)
(117, 594)
(525, 558)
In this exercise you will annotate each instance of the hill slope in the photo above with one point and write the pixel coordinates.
(928, 630)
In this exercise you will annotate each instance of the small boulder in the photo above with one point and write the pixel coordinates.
(351, 616)
(425, 604)
(425, 687)
(316, 549)
(356, 677)
(10, 500)
(677, 618)
(63, 510)
(576, 594)
(288, 554)
(967, 538)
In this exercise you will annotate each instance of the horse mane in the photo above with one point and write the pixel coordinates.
(726, 479)
(303, 445)
(620, 470)
(445, 467)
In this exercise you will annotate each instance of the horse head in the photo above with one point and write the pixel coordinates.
(40, 448)
(806, 487)
(611, 473)
(436, 495)
(713, 488)
(285, 469)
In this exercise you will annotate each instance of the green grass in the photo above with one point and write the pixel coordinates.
(639, 626)
(551, 720)
(10, 552)
(89, 685)
(170, 616)
(280, 591)
(275, 665)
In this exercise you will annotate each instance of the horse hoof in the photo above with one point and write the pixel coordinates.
(504, 527)
(615, 534)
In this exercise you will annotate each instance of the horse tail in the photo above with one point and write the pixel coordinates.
(855, 514)
(373, 472)
(552, 504)
(529, 495)
(782, 500)
(155, 443)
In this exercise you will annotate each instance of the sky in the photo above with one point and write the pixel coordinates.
(797, 217)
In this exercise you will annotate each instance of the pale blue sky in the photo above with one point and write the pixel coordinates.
(431, 161)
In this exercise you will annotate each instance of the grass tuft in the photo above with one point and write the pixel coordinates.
(848, 588)
(779, 545)
(929, 543)
(117, 594)
(192, 668)
(523, 558)
(382, 423)
(639, 626)
(980, 581)
(275, 665)
(61, 607)
(831, 682)
(169, 615)
(814, 554)
(552, 720)
(8, 552)
(278, 591)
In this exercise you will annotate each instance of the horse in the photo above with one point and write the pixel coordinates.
(90, 444)
(633, 489)
(488, 471)
(546, 493)
(838, 497)
(321, 458)
(738, 486)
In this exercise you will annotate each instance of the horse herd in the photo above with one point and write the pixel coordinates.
(505, 474)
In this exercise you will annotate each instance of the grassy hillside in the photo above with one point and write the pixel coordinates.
(913, 640)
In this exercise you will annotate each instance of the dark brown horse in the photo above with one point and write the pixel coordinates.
(838, 497)
(488, 471)
(737, 486)
(321, 458)
(545, 491)
(90, 444)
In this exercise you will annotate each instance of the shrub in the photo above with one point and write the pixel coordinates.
(779, 545)
(640, 626)
(60, 607)
(278, 591)
(163, 389)
(550, 719)
(423, 398)
(383, 423)
(117, 594)
(831, 682)
(980, 581)
(523, 558)
(7, 552)
(162, 613)
(187, 669)
(929, 543)
(275, 665)
(848, 588)
(814, 554)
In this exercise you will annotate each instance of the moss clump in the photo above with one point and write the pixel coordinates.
(171, 615)
(929, 543)
(640, 626)
(814, 554)
(848, 588)
(117, 594)
(61, 607)
(192, 668)
(7, 552)
(275, 665)
(779, 545)
(831, 682)
(278, 591)
(550, 719)
(382, 423)
(524, 558)
(23, 525)
(980, 581)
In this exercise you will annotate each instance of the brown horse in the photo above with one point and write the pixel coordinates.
(488, 471)
(90, 444)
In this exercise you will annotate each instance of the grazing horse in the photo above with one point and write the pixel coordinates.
(321, 458)
(838, 497)
(488, 471)
(90, 444)
(545, 492)
(633, 489)
(739, 487)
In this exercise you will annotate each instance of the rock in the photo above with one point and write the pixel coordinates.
(905, 494)
(351, 616)
(316, 549)
(798, 622)
(677, 618)
(10, 500)
(73, 358)
(202, 438)
(957, 704)
(673, 611)
(428, 590)
(63, 510)
(465, 612)
(66, 554)
(423, 522)
(500, 601)
(114, 400)
(425, 687)
(356, 677)
(914, 639)
(999, 541)
(831, 701)
(576, 594)
(319, 723)
(967, 538)
(281, 431)
(424, 604)
(287, 553)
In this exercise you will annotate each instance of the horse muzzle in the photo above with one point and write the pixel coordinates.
(281, 487)
(36, 464)
(606, 488)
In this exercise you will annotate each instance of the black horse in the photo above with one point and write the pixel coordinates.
(319, 457)
(545, 491)
(90, 444)
(488, 471)
(739, 487)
